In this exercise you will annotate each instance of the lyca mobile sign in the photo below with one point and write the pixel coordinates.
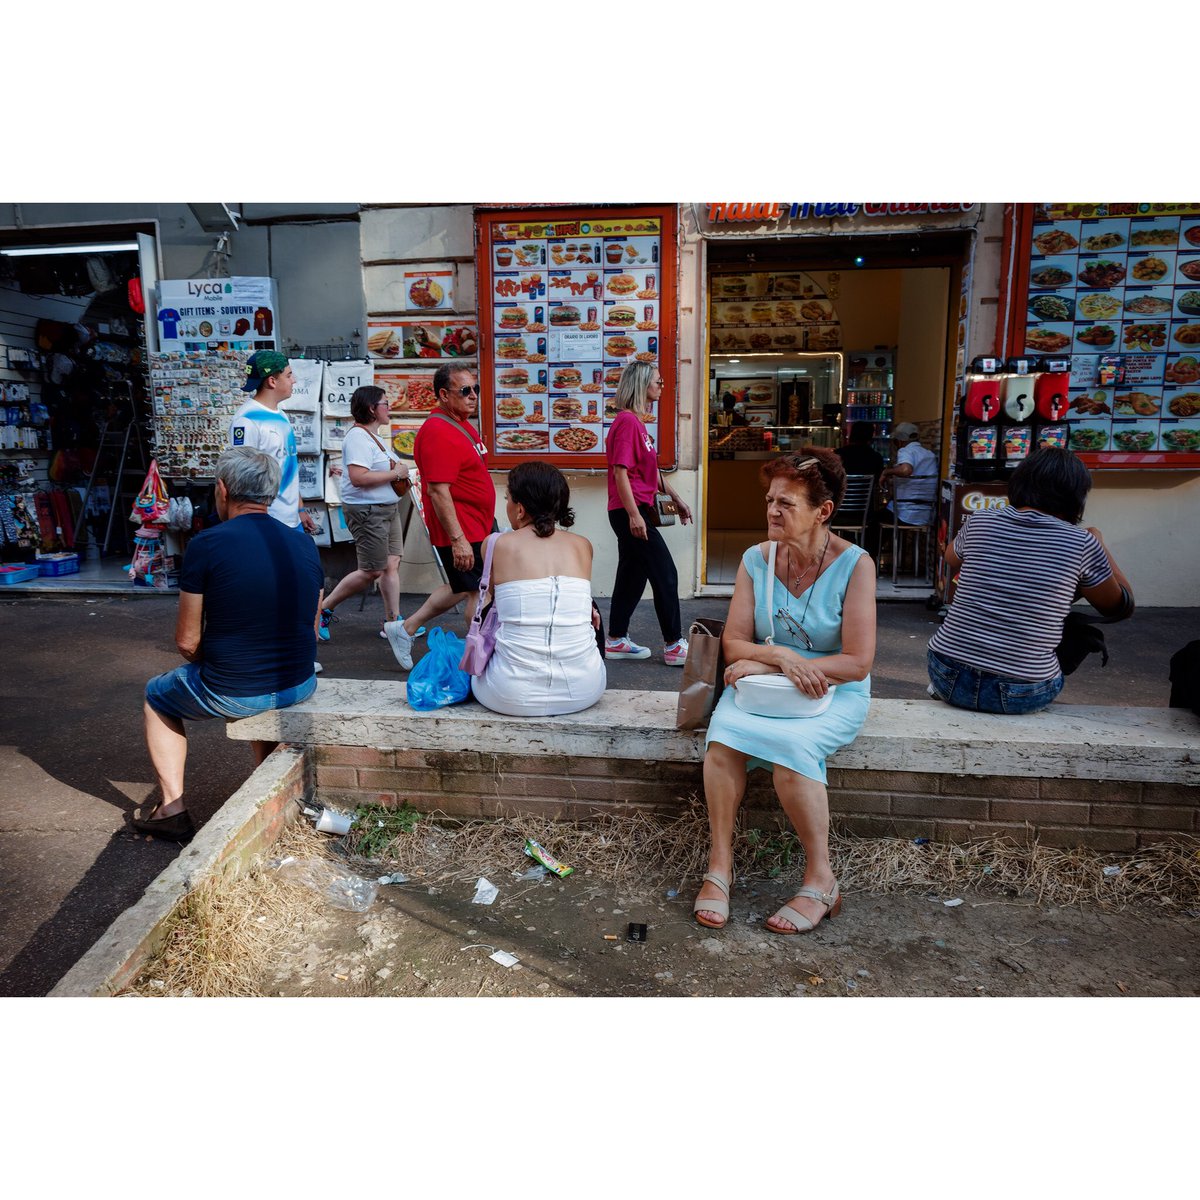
(723, 212)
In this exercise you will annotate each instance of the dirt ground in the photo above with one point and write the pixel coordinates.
(427, 938)
(420, 941)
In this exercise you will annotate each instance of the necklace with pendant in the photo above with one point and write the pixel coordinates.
(816, 562)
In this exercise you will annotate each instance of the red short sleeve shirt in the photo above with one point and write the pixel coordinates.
(445, 454)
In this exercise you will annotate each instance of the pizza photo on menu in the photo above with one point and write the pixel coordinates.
(523, 439)
(575, 440)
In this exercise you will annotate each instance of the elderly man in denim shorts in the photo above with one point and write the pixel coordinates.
(249, 595)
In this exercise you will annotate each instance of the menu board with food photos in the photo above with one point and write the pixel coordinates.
(772, 310)
(1121, 280)
(568, 298)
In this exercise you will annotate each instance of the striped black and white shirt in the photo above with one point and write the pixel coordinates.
(1020, 571)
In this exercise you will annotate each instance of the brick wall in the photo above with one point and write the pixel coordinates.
(1105, 816)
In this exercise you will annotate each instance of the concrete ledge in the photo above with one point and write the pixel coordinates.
(247, 824)
(1152, 745)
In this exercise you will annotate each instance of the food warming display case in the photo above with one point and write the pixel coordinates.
(567, 298)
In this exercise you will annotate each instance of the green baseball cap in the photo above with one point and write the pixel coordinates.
(260, 366)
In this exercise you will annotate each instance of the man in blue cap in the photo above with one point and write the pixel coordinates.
(260, 425)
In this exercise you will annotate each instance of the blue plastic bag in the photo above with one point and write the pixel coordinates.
(436, 681)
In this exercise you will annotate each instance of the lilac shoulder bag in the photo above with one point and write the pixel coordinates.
(481, 637)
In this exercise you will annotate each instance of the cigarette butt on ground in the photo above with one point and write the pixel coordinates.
(611, 937)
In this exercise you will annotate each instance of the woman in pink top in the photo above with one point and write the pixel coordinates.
(642, 555)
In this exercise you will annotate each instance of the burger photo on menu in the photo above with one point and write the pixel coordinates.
(620, 316)
(612, 376)
(512, 378)
(513, 318)
(509, 408)
(786, 285)
(566, 377)
(622, 285)
(620, 346)
(564, 314)
(566, 408)
(511, 347)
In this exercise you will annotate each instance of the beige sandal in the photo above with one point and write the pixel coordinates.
(831, 900)
(720, 907)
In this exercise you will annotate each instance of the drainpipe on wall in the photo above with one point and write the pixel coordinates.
(1008, 256)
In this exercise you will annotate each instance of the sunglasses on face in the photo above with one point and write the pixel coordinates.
(468, 390)
(793, 626)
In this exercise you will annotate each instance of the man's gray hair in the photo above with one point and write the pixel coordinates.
(249, 475)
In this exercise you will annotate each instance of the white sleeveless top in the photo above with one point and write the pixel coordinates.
(546, 662)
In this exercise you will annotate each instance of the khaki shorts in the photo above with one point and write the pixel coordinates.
(377, 533)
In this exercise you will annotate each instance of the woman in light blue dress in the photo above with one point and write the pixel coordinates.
(822, 613)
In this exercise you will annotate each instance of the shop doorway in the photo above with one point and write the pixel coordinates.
(73, 358)
(806, 338)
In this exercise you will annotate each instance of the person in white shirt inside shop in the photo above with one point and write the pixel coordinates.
(914, 475)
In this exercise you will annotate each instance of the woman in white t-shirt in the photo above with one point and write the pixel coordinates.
(371, 507)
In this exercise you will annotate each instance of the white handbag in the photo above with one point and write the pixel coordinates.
(776, 695)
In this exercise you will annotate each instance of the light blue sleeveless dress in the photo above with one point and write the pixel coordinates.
(799, 743)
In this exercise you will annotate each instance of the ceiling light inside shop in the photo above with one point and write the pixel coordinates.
(99, 248)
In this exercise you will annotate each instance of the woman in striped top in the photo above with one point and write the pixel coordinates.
(1021, 568)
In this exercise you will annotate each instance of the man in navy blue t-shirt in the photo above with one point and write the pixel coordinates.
(249, 594)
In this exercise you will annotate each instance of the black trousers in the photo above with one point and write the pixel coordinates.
(638, 563)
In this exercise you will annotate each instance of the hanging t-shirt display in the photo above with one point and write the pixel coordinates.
(209, 315)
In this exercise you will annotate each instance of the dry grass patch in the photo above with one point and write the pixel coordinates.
(226, 932)
(640, 849)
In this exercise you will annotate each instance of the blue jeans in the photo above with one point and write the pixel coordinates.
(181, 693)
(982, 691)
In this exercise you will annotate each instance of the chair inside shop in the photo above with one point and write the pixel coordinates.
(916, 536)
(854, 512)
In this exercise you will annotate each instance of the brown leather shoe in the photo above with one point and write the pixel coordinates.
(177, 826)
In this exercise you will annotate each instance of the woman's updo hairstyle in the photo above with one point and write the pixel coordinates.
(819, 470)
(542, 490)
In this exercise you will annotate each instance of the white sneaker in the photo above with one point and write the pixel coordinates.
(675, 655)
(400, 642)
(624, 648)
(317, 668)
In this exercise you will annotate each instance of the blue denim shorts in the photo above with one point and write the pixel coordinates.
(982, 691)
(181, 693)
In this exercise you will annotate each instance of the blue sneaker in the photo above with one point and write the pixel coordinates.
(327, 619)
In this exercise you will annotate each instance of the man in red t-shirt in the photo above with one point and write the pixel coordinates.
(459, 499)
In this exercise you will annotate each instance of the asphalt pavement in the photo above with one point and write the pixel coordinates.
(73, 764)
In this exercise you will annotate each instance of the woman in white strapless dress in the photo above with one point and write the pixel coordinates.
(546, 661)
